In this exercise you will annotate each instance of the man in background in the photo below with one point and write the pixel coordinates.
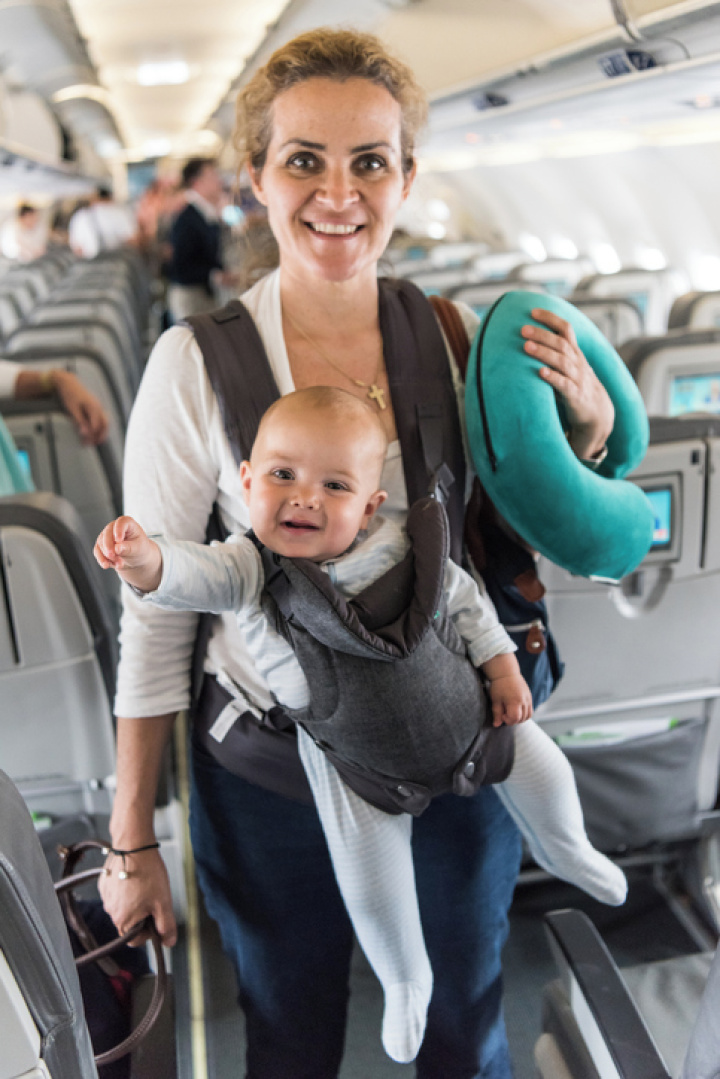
(196, 270)
(104, 225)
(24, 236)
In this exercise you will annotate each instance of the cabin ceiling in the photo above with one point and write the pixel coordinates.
(163, 73)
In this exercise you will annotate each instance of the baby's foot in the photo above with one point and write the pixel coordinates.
(406, 1005)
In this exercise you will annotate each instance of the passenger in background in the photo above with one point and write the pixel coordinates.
(81, 405)
(196, 266)
(327, 129)
(104, 225)
(24, 236)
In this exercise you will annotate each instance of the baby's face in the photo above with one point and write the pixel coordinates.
(311, 484)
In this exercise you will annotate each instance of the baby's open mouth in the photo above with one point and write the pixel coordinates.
(300, 526)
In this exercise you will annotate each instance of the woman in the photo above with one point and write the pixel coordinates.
(327, 130)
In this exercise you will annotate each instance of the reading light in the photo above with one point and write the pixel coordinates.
(163, 73)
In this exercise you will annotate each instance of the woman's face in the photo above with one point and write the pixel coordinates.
(333, 180)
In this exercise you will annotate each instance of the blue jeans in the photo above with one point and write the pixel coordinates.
(266, 876)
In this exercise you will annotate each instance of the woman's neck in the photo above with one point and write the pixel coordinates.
(325, 308)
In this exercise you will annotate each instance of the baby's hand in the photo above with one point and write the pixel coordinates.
(511, 699)
(123, 546)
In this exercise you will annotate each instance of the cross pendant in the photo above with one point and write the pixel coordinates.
(375, 393)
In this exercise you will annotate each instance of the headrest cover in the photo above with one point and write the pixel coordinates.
(592, 523)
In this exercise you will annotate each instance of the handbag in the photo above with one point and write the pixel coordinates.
(108, 968)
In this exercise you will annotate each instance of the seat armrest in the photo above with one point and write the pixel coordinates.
(614, 1031)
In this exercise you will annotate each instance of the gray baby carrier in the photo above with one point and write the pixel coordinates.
(395, 702)
(392, 619)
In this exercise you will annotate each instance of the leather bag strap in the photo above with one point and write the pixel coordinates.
(95, 953)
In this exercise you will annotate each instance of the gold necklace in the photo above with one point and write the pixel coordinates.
(375, 393)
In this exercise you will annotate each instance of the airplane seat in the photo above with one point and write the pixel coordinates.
(81, 318)
(58, 343)
(441, 282)
(21, 292)
(483, 295)
(10, 317)
(638, 709)
(89, 477)
(655, 1021)
(31, 275)
(41, 1010)
(58, 657)
(67, 306)
(555, 275)
(617, 319)
(96, 378)
(652, 291)
(678, 372)
(695, 311)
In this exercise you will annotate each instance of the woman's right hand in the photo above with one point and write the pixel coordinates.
(145, 890)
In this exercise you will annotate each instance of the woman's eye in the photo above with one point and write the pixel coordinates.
(303, 161)
(370, 163)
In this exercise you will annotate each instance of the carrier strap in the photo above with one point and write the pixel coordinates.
(238, 369)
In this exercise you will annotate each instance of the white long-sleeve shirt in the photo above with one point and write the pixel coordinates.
(178, 462)
(9, 371)
(229, 577)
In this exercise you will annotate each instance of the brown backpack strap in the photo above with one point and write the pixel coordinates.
(454, 328)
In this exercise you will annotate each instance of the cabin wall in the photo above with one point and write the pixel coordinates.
(646, 205)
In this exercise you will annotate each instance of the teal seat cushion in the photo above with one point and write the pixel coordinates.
(14, 478)
(592, 523)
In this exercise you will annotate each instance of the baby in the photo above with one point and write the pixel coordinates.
(312, 490)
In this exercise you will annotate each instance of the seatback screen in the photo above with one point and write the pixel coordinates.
(694, 393)
(661, 502)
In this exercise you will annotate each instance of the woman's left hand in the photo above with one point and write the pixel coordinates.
(590, 411)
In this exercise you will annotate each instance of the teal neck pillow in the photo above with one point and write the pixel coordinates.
(592, 523)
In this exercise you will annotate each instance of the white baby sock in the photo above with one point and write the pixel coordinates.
(372, 858)
(541, 797)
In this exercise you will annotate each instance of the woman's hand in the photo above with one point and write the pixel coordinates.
(589, 408)
(145, 890)
(82, 406)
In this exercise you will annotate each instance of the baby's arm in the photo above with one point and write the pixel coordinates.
(488, 645)
(509, 692)
(185, 576)
(123, 546)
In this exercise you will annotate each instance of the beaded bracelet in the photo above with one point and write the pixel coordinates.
(123, 874)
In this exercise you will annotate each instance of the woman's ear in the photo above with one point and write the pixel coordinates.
(374, 503)
(246, 478)
(256, 184)
(409, 179)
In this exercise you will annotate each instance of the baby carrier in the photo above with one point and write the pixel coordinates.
(425, 406)
(389, 677)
